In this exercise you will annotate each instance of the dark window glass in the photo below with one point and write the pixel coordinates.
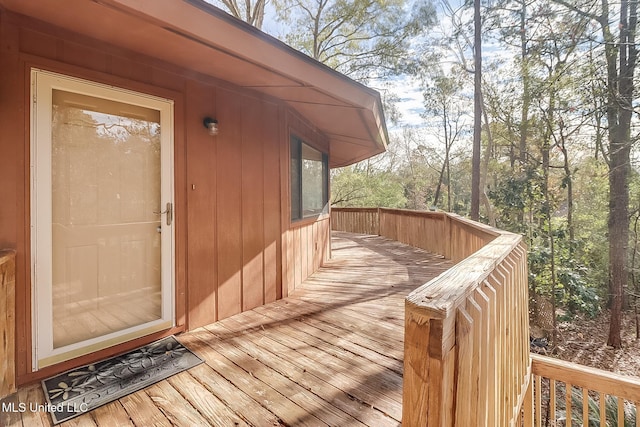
(309, 180)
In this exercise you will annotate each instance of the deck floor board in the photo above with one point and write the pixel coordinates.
(329, 354)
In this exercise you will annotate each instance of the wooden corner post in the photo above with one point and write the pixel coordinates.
(7, 323)
(429, 365)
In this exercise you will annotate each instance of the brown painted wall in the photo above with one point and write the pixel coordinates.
(235, 246)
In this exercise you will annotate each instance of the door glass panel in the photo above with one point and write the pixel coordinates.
(106, 177)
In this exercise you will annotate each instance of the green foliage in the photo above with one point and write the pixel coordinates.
(574, 291)
(545, 101)
(512, 196)
(577, 281)
(611, 411)
(352, 187)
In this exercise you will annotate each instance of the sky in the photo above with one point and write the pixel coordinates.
(410, 104)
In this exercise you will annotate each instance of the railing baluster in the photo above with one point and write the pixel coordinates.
(620, 411)
(603, 409)
(567, 400)
(552, 401)
(528, 406)
(585, 407)
(538, 391)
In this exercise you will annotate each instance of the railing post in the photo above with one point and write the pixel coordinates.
(528, 406)
(7, 323)
(429, 369)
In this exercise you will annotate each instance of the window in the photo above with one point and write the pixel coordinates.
(309, 180)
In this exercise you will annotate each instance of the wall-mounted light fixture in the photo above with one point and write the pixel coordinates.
(211, 125)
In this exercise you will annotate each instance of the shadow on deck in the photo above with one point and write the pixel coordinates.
(330, 354)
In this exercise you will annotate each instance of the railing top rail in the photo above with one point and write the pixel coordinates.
(492, 231)
(484, 228)
(412, 212)
(354, 209)
(586, 377)
(440, 296)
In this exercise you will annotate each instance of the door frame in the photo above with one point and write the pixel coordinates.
(42, 84)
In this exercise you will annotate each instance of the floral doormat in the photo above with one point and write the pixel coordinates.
(83, 389)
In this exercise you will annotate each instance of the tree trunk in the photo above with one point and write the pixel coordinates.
(526, 99)
(568, 176)
(477, 113)
(484, 169)
(618, 235)
(619, 111)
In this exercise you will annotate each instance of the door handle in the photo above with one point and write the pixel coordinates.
(168, 211)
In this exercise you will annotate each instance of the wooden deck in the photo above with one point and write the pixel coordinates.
(331, 354)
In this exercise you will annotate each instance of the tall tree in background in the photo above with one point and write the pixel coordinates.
(442, 99)
(621, 56)
(252, 13)
(619, 113)
(359, 38)
(477, 111)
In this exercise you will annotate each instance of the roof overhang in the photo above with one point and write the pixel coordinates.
(200, 37)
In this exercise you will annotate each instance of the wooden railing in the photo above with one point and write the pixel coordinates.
(568, 394)
(466, 360)
(356, 220)
(7, 323)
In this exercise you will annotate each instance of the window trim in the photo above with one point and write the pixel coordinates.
(299, 216)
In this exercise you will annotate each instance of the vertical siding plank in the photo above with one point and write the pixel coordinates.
(297, 257)
(303, 253)
(252, 205)
(180, 210)
(14, 147)
(201, 211)
(290, 257)
(272, 204)
(229, 203)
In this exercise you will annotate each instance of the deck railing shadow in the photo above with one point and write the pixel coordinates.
(415, 271)
(466, 358)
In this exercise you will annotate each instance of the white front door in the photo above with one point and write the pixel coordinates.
(102, 215)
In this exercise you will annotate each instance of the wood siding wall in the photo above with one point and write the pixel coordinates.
(308, 246)
(7, 323)
(231, 190)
